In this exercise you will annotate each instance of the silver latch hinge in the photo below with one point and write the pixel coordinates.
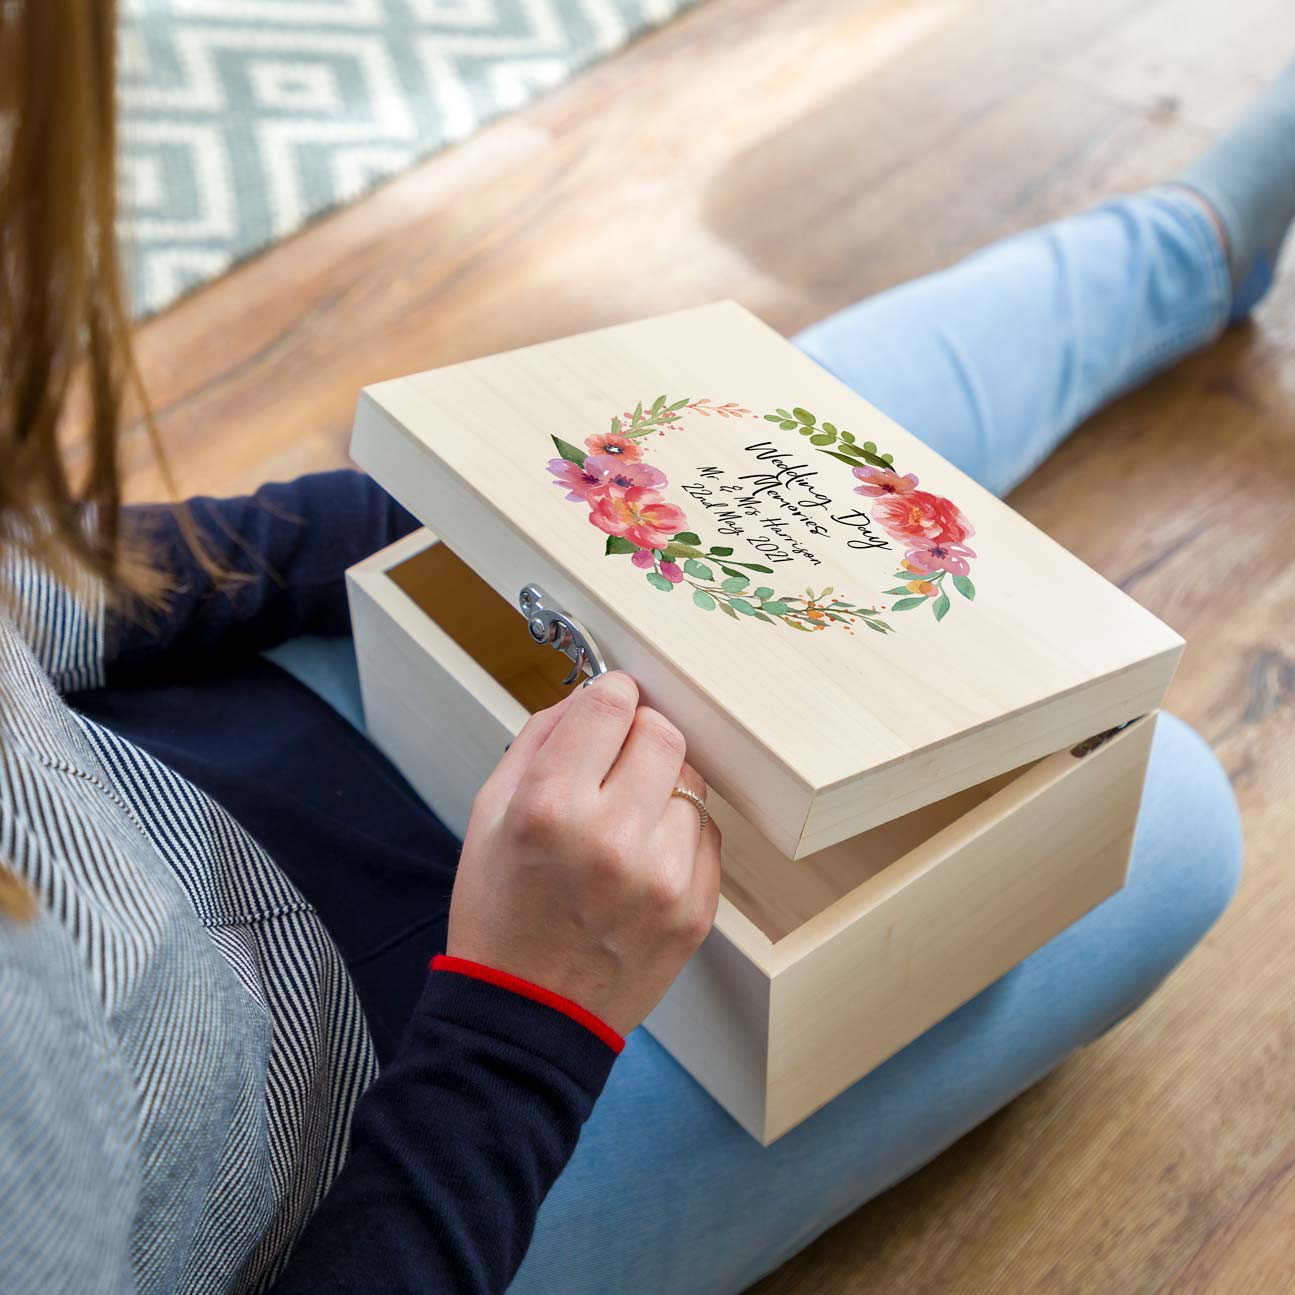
(549, 624)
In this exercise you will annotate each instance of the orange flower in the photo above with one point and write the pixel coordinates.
(621, 447)
(920, 586)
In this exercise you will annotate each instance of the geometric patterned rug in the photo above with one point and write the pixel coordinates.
(242, 120)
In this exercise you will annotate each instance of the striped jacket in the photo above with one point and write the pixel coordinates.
(181, 1049)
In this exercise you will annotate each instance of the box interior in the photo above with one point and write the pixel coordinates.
(776, 893)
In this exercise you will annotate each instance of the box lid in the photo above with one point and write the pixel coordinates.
(844, 626)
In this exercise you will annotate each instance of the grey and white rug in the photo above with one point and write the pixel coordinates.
(244, 119)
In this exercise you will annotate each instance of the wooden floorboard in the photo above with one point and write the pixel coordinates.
(796, 155)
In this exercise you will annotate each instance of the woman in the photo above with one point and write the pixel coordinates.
(219, 900)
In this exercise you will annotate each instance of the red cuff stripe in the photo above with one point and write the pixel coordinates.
(537, 993)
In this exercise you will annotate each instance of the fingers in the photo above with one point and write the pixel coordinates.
(706, 876)
(647, 768)
(525, 747)
(588, 736)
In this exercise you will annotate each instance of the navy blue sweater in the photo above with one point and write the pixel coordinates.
(484, 1085)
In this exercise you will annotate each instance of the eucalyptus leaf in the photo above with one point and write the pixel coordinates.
(741, 605)
(698, 569)
(788, 425)
(762, 593)
(773, 418)
(870, 446)
(830, 427)
(775, 607)
(734, 584)
(823, 438)
(782, 413)
(847, 437)
(703, 600)
(804, 416)
(658, 581)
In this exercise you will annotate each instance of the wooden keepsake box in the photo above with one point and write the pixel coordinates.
(925, 725)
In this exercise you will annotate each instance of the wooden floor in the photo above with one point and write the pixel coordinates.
(795, 155)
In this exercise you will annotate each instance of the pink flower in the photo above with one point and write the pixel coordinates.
(621, 447)
(619, 476)
(644, 559)
(586, 481)
(939, 555)
(671, 572)
(640, 515)
(917, 516)
(878, 482)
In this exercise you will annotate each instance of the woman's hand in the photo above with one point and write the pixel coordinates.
(580, 872)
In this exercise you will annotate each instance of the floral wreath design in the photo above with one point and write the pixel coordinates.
(623, 495)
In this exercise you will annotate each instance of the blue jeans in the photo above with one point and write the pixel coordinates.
(992, 362)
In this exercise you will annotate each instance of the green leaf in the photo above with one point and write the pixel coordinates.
(638, 411)
(907, 604)
(964, 586)
(741, 605)
(703, 600)
(658, 581)
(569, 452)
(717, 552)
(870, 446)
(782, 413)
(902, 589)
(760, 616)
(823, 438)
(831, 589)
(618, 544)
(727, 610)
(687, 537)
(676, 551)
(831, 427)
(773, 418)
(788, 425)
(940, 606)
(804, 416)
(762, 593)
(880, 626)
(728, 571)
(888, 459)
(847, 437)
(845, 458)
(698, 569)
(616, 425)
(657, 404)
(796, 625)
(734, 584)
(775, 607)
(679, 404)
(751, 566)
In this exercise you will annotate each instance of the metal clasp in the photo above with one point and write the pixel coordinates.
(550, 624)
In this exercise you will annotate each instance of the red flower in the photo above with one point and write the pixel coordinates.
(622, 447)
(619, 476)
(939, 555)
(640, 515)
(877, 483)
(917, 516)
